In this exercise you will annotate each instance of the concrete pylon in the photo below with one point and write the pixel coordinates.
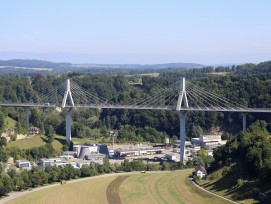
(244, 121)
(68, 125)
(68, 95)
(182, 102)
(182, 96)
(183, 115)
(27, 117)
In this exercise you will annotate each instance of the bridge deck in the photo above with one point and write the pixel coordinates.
(171, 108)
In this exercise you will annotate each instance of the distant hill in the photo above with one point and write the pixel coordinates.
(32, 63)
(146, 66)
(48, 64)
(33, 67)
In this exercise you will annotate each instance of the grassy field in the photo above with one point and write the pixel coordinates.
(27, 143)
(39, 140)
(76, 140)
(170, 187)
(160, 187)
(90, 191)
(34, 141)
(9, 122)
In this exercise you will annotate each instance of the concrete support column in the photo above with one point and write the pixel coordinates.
(244, 121)
(68, 125)
(27, 116)
(183, 115)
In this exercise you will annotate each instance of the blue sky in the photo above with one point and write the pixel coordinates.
(147, 31)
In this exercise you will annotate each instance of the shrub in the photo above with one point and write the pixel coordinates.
(240, 182)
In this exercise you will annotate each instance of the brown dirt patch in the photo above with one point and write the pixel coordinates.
(112, 191)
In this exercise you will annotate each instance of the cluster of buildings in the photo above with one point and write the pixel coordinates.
(87, 154)
(81, 154)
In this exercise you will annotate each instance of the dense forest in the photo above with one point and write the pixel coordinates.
(248, 85)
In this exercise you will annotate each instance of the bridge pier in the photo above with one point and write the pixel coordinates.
(68, 125)
(27, 117)
(183, 115)
(244, 121)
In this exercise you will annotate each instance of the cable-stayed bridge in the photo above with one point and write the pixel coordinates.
(180, 96)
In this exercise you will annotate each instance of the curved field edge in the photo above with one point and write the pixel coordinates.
(166, 187)
(151, 187)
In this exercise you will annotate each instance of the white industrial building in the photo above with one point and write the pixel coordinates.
(62, 161)
(208, 142)
(50, 162)
(82, 151)
(138, 151)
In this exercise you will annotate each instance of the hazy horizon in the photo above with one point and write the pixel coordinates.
(140, 32)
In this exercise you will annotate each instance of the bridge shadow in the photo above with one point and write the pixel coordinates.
(61, 140)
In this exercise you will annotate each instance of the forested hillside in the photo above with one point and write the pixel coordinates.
(250, 89)
(242, 168)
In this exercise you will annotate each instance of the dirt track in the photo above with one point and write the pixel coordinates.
(112, 191)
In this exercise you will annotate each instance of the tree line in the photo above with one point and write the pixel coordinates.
(39, 176)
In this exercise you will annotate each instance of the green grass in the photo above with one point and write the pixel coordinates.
(164, 187)
(34, 141)
(40, 140)
(9, 122)
(62, 140)
(76, 140)
(27, 143)
(157, 188)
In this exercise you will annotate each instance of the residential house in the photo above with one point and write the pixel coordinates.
(201, 172)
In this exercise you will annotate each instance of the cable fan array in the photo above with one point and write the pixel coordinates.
(161, 98)
(52, 96)
(83, 97)
(157, 98)
(199, 98)
(165, 97)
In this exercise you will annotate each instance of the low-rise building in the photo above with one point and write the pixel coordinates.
(95, 156)
(23, 164)
(171, 157)
(70, 154)
(33, 131)
(196, 141)
(49, 162)
(138, 151)
(201, 172)
(208, 142)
